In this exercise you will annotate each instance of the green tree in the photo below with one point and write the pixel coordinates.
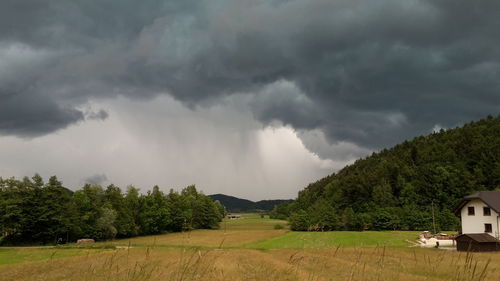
(57, 213)
(106, 224)
(323, 216)
(300, 221)
(386, 219)
(89, 202)
(124, 222)
(155, 214)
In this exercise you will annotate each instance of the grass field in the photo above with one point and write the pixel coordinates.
(202, 238)
(337, 238)
(252, 250)
(232, 233)
(13, 256)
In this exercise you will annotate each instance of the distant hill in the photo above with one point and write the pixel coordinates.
(237, 205)
(402, 187)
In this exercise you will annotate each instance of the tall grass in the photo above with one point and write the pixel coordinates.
(193, 264)
(224, 255)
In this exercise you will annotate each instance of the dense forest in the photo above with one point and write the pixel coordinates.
(402, 187)
(238, 205)
(32, 211)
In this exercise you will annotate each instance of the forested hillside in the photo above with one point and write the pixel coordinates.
(233, 204)
(399, 188)
(32, 211)
(238, 205)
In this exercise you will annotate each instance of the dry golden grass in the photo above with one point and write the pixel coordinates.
(203, 238)
(246, 264)
(220, 255)
(232, 233)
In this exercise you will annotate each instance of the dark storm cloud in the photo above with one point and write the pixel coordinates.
(369, 72)
(29, 115)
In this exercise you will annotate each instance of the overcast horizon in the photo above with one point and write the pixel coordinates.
(249, 98)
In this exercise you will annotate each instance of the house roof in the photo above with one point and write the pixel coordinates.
(478, 237)
(490, 198)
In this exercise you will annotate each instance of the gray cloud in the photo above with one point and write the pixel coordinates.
(96, 179)
(99, 115)
(341, 152)
(367, 72)
(220, 148)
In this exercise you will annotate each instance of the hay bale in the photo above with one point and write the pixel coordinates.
(85, 241)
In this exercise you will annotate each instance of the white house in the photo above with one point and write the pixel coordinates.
(480, 213)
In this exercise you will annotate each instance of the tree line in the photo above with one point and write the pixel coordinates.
(32, 211)
(413, 186)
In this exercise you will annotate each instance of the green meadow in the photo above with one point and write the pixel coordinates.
(297, 240)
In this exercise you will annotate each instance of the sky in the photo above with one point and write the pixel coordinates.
(252, 98)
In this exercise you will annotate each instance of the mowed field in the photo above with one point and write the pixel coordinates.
(251, 249)
(232, 233)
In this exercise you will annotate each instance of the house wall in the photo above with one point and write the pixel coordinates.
(475, 224)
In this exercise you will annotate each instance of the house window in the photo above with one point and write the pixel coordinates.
(471, 211)
(487, 228)
(486, 211)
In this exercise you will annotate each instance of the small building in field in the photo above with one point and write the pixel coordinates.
(480, 217)
(477, 242)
